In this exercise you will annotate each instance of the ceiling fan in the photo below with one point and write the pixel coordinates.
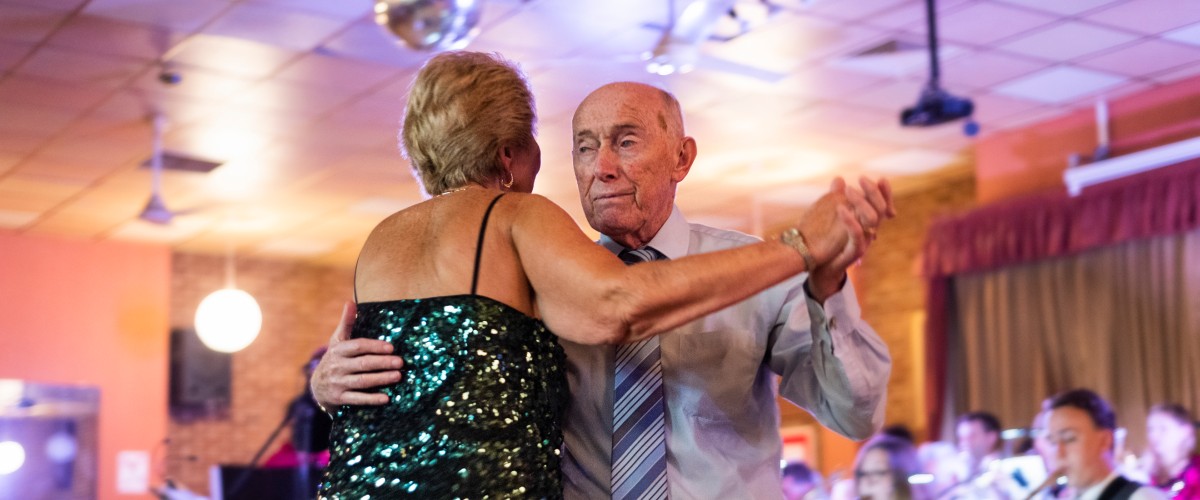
(678, 49)
(156, 210)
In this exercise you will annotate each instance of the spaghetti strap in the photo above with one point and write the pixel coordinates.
(479, 245)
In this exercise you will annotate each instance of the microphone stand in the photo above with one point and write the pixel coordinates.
(245, 475)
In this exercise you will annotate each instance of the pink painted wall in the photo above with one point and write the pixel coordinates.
(93, 313)
(1032, 159)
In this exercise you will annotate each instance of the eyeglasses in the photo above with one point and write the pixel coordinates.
(867, 474)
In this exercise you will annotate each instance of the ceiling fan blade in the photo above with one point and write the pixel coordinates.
(698, 20)
(735, 68)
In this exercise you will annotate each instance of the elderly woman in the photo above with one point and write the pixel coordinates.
(469, 285)
(1174, 465)
(883, 469)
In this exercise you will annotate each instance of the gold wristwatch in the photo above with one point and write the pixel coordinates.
(794, 239)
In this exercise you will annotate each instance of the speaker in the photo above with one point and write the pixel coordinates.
(200, 377)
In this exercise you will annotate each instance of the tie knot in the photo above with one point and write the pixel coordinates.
(644, 254)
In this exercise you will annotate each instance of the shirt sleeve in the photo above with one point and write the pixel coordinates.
(830, 361)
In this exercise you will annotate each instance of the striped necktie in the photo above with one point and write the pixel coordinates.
(639, 460)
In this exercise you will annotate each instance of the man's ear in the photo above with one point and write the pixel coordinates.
(687, 155)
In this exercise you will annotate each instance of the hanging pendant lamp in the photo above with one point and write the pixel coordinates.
(228, 319)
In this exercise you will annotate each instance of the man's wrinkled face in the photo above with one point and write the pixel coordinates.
(625, 159)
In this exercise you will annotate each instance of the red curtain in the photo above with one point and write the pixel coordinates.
(1157, 203)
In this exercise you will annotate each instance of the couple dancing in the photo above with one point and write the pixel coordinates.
(488, 325)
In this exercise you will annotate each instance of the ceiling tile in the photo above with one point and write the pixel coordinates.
(888, 97)
(180, 229)
(179, 17)
(34, 118)
(51, 94)
(1149, 16)
(16, 219)
(27, 24)
(333, 72)
(194, 83)
(60, 5)
(852, 10)
(341, 9)
(35, 191)
(1144, 58)
(21, 141)
(12, 53)
(976, 23)
(993, 108)
(985, 69)
(76, 67)
(907, 62)
(290, 99)
(1070, 8)
(366, 41)
(104, 149)
(76, 223)
(1029, 118)
(275, 25)
(102, 35)
(820, 81)
(910, 161)
(1178, 74)
(911, 15)
(791, 40)
(1188, 34)
(1066, 41)
(1059, 84)
(241, 58)
(73, 171)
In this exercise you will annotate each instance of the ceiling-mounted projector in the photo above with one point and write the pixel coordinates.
(936, 106)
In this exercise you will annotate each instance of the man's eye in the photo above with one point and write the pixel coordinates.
(627, 143)
(584, 149)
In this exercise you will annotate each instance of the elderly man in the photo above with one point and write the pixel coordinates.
(705, 424)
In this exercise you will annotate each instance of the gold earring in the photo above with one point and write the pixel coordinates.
(509, 184)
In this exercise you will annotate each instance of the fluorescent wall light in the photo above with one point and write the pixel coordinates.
(1083, 176)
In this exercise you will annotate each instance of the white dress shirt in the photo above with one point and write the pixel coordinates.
(1143, 493)
(719, 383)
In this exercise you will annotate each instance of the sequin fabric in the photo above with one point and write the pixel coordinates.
(476, 415)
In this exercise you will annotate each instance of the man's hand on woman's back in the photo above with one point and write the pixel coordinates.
(352, 368)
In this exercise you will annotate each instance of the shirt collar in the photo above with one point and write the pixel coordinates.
(672, 238)
(1098, 488)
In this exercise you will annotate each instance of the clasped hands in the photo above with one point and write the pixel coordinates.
(840, 226)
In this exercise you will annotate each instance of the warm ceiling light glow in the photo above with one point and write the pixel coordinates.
(228, 320)
(12, 457)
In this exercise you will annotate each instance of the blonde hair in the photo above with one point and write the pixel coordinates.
(462, 109)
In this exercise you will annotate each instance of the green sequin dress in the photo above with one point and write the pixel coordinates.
(476, 415)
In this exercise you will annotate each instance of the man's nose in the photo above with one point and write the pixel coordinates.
(607, 165)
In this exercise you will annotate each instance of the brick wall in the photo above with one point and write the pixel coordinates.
(893, 293)
(301, 305)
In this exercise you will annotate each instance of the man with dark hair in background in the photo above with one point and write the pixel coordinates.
(978, 442)
(1080, 428)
